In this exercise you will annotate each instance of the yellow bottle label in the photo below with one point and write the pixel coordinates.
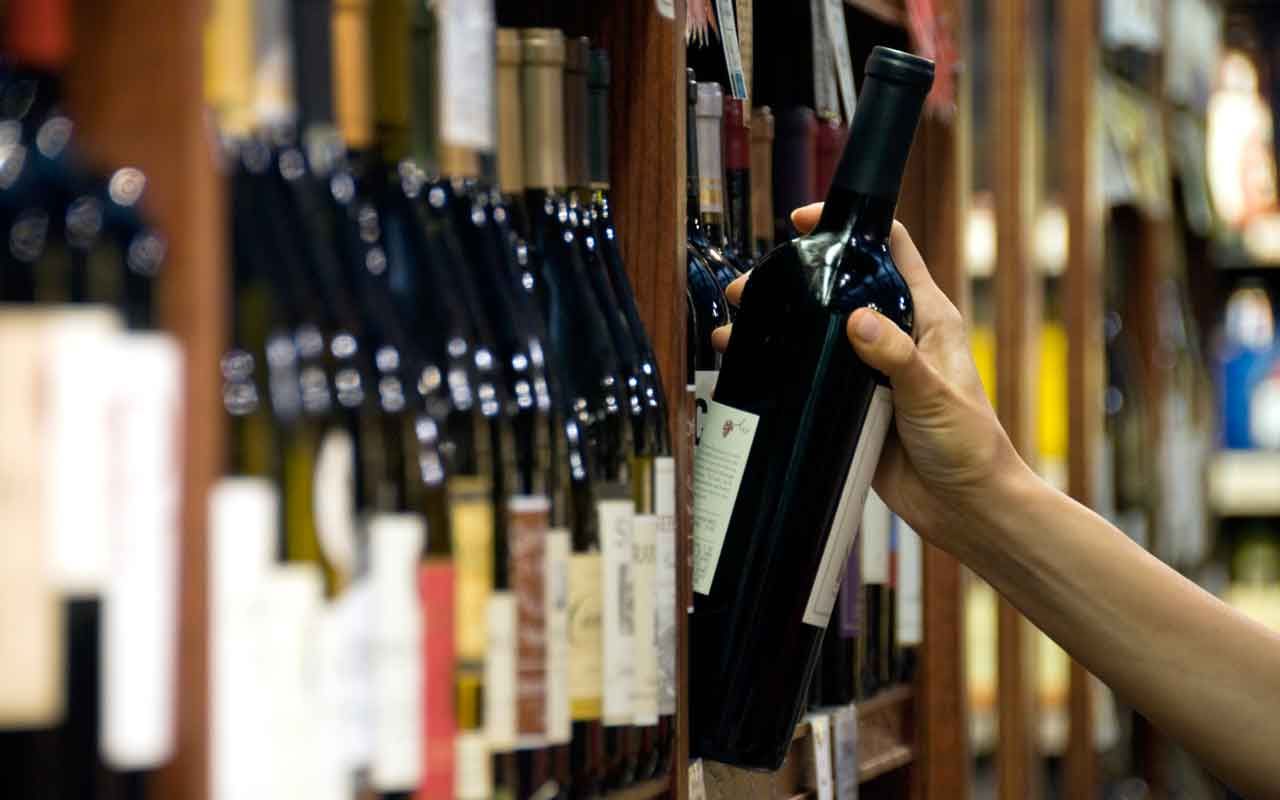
(586, 641)
(471, 518)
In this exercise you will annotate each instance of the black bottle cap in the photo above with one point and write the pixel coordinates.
(888, 64)
(312, 65)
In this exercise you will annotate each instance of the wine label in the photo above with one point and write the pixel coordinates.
(334, 500)
(140, 603)
(909, 599)
(835, 554)
(395, 544)
(844, 745)
(704, 387)
(243, 530)
(644, 688)
(664, 582)
(826, 97)
(435, 591)
(500, 713)
(822, 779)
(586, 639)
(618, 608)
(467, 57)
(732, 56)
(528, 520)
(471, 518)
(559, 719)
(717, 473)
(292, 602)
(839, 37)
(331, 651)
(81, 346)
(877, 520)
(474, 773)
(31, 617)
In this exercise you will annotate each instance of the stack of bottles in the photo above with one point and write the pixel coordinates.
(442, 557)
(91, 469)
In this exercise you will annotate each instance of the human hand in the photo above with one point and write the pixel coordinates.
(948, 454)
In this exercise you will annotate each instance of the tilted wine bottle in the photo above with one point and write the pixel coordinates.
(785, 459)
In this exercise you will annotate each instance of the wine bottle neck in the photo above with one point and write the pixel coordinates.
(598, 119)
(542, 84)
(351, 74)
(864, 216)
(510, 126)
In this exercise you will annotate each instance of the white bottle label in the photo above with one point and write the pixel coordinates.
(909, 595)
(844, 744)
(616, 525)
(31, 618)
(395, 546)
(664, 593)
(877, 522)
(717, 473)
(835, 555)
(500, 673)
(291, 610)
(559, 721)
(243, 531)
(644, 689)
(823, 781)
(467, 36)
(334, 499)
(474, 777)
(704, 383)
(140, 604)
(331, 653)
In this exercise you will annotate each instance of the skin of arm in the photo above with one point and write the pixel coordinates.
(1207, 675)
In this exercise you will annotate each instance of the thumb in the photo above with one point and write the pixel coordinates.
(884, 346)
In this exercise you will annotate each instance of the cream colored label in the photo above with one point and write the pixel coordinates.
(293, 594)
(697, 780)
(877, 520)
(471, 518)
(335, 499)
(559, 720)
(822, 780)
(618, 608)
(500, 673)
(844, 528)
(717, 473)
(664, 591)
(467, 67)
(908, 596)
(586, 639)
(644, 687)
(473, 776)
(666, 8)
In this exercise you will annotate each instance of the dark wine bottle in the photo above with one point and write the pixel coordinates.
(798, 449)
(710, 237)
(762, 180)
(793, 167)
(737, 180)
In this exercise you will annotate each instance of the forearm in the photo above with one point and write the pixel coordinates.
(1205, 674)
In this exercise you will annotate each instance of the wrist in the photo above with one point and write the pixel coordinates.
(995, 508)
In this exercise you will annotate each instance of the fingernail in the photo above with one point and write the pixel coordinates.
(866, 327)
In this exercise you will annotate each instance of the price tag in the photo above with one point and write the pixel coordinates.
(826, 98)
(823, 781)
(732, 55)
(844, 62)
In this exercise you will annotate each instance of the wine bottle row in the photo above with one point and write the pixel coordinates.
(442, 556)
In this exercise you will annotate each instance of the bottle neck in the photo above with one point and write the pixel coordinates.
(711, 176)
(853, 215)
(693, 208)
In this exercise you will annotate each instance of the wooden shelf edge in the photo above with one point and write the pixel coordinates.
(654, 787)
(884, 10)
(888, 761)
(888, 698)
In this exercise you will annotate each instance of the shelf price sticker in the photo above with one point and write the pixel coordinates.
(822, 779)
(732, 55)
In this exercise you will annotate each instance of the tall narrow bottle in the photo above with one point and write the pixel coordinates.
(737, 183)
(800, 449)
(710, 236)
(762, 179)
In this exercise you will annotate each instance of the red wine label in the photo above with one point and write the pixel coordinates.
(559, 719)
(664, 591)
(717, 474)
(435, 592)
(644, 689)
(395, 545)
(586, 642)
(835, 555)
(909, 595)
(618, 608)
(528, 520)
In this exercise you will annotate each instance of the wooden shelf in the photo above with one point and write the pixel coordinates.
(655, 787)
(1245, 483)
(890, 11)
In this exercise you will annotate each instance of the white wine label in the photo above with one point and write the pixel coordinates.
(395, 546)
(664, 592)
(331, 753)
(474, 775)
(697, 780)
(140, 603)
(826, 96)
(335, 499)
(644, 689)
(291, 611)
(353, 611)
(559, 721)
(31, 618)
(839, 37)
(840, 539)
(909, 597)
(844, 745)
(822, 780)
(76, 422)
(243, 531)
(586, 644)
(619, 608)
(467, 36)
(717, 473)
(704, 387)
(500, 673)
(732, 56)
(877, 522)
(666, 8)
